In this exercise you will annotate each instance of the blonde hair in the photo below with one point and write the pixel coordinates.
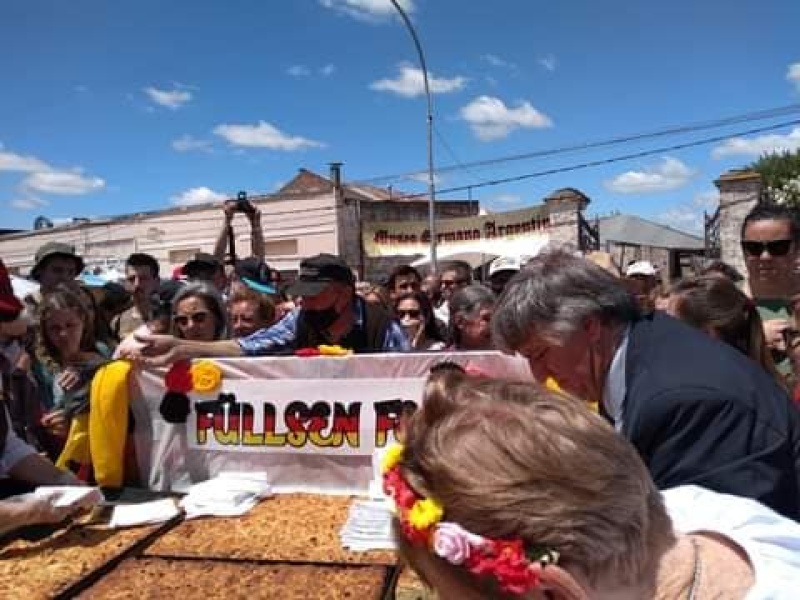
(515, 461)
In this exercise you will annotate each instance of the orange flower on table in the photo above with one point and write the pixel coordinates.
(206, 377)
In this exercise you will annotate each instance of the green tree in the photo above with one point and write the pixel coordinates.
(781, 175)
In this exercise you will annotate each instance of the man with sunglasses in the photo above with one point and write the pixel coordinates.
(455, 276)
(769, 239)
(331, 313)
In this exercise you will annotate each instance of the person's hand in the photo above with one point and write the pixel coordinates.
(36, 510)
(56, 423)
(773, 333)
(160, 350)
(68, 379)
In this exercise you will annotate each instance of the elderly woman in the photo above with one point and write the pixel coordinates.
(198, 313)
(507, 490)
(471, 309)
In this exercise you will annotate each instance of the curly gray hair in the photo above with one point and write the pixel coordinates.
(553, 295)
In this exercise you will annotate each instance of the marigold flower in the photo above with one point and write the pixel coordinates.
(425, 513)
(391, 457)
(206, 377)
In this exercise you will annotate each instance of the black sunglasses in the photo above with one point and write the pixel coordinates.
(414, 314)
(198, 317)
(773, 247)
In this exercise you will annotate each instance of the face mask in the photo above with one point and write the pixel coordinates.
(320, 320)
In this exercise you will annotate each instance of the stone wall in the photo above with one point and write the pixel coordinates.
(739, 192)
(564, 208)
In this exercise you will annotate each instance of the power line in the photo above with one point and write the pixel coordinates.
(678, 130)
(607, 161)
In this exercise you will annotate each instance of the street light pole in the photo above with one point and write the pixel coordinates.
(431, 182)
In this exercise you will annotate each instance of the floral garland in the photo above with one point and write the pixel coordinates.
(516, 569)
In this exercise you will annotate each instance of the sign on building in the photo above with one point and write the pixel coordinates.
(489, 232)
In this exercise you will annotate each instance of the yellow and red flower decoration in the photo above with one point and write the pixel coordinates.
(206, 377)
(323, 350)
(183, 377)
(515, 568)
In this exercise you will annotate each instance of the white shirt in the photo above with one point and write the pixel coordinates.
(771, 541)
(614, 390)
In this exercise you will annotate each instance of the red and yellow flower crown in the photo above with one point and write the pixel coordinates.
(515, 568)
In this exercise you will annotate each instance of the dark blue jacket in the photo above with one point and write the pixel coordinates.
(700, 412)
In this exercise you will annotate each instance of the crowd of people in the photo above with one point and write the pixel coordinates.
(693, 380)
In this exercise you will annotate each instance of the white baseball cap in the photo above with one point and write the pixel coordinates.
(641, 267)
(505, 263)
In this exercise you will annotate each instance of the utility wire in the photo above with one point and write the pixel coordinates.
(607, 161)
(771, 113)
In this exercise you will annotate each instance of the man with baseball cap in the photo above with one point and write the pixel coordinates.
(641, 279)
(501, 270)
(331, 313)
(256, 275)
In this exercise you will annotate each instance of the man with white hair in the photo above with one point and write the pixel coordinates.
(697, 410)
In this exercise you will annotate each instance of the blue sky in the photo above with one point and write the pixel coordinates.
(116, 107)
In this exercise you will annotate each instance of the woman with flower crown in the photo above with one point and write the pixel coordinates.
(508, 490)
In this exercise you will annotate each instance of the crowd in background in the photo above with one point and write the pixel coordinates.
(744, 330)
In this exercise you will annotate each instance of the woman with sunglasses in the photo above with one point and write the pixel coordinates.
(769, 240)
(415, 314)
(198, 313)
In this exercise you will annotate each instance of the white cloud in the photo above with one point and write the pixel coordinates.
(793, 75)
(28, 203)
(548, 62)
(263, 135)
(507, 199)
(298, 71)
(490, 119)
(197, 195)
(63, 183)
(10, 161)
(756, 146)
(328, 70)
(172, 99)
(422, 177)
(670, 174)
(690, 217)
(708, 200)
(410, 83)
(684, 218)
(187, 143)
(371, 11)
(496, 61)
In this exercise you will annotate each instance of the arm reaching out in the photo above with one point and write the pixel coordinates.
(162, 350)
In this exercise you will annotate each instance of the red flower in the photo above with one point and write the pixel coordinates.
(506, 562)
(395, 486)
(306, 352)
(416, 536)
(179, 377)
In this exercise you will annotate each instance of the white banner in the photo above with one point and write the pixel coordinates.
(321, 416)
(310, 423)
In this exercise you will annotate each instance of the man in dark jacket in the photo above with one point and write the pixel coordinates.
(697, 411)
(331, 314)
